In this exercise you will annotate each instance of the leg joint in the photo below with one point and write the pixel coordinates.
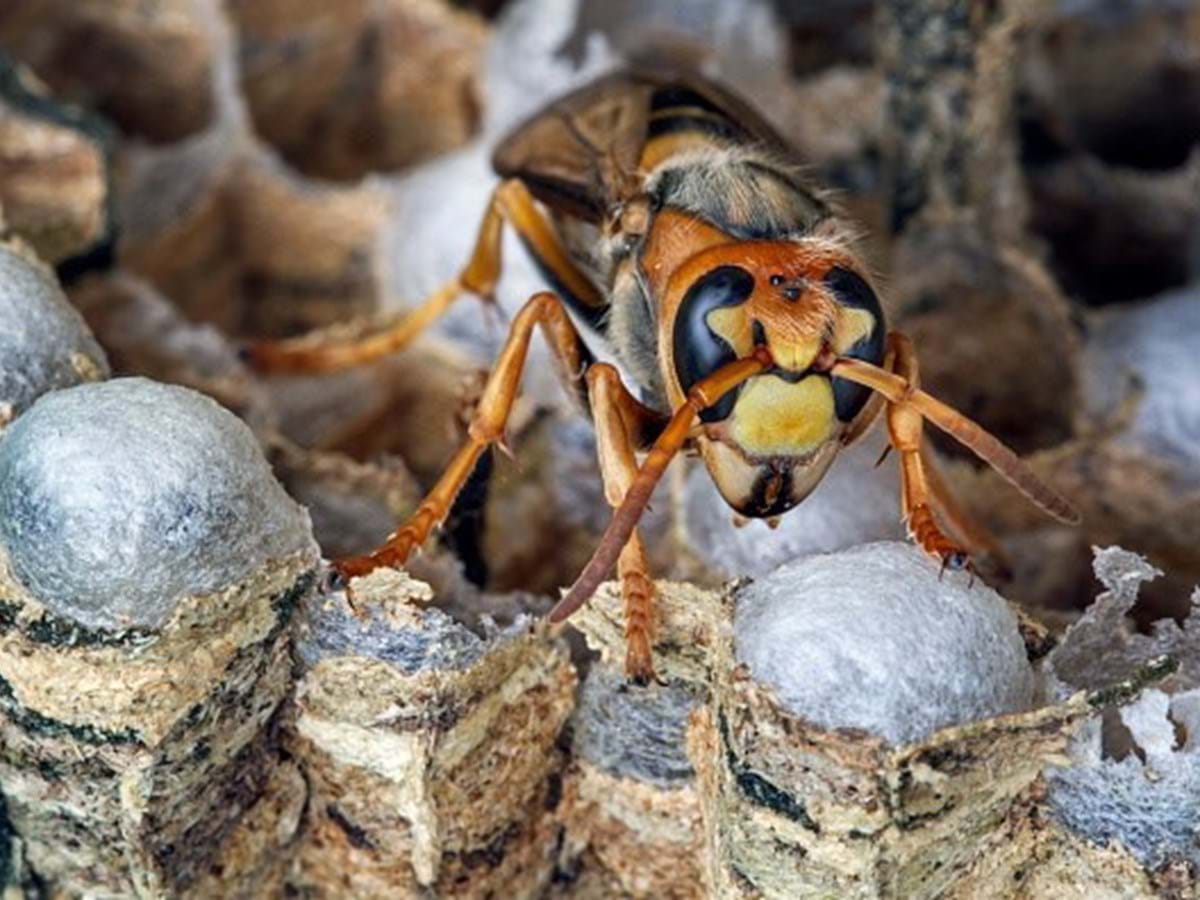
(602, 376)
(541, 306)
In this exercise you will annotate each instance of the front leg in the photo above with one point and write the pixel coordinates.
(486, 428)
(618, 416)
(905, 427)
(960, 522)
(908, 407)
(701, 396)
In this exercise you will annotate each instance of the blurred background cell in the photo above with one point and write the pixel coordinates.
(349, 88)
(54, 170)
(147, 64)
(44, 342)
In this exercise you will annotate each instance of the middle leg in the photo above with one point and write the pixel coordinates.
(486, 428)
(959, 521)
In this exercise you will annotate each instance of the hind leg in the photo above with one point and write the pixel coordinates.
(343, 346)
(965, 528)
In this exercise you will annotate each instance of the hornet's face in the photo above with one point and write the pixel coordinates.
(768, 442)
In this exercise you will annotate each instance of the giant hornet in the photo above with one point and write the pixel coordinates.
(680, 238)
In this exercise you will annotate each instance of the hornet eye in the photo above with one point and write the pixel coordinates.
(852, 291)
(698, 350)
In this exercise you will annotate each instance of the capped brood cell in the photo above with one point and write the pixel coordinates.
(149, 567)
(44, 342)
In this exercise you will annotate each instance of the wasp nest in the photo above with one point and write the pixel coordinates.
(631, 804)
(44, 343)
(357, 87)
(838, 746)
(923, 651)
(847, 725)
(430, 751)
(1114, 178)
(236, 240)
(149, 566)
(53, 169)
(148, 65)
(143, 333)
(864, 760)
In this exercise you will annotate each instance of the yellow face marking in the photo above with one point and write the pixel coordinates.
(733, 325)
(790, 351)
(852, 326)
(774, 417)
(794, 349)
(794, 355)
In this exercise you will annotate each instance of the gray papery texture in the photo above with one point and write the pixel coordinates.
(1149, 802)
(119, 498)
(41, 334)
(634, 732)
(872, 638)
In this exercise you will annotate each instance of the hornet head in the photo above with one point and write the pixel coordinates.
(768, 442)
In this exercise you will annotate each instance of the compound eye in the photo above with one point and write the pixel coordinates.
(853, 292)
(699, 351)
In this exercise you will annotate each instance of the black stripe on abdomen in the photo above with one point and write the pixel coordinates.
(682, 121)
(678, 95)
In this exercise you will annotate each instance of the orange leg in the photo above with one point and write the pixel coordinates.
(905, 426)
(618, 416)
(908, 406)
(486, 428)
(353, 344)
(959, 521)
(703, 394)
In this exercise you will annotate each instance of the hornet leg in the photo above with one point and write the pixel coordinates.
(959, 521)
(905, 427)
(486, 428)
(703, 394)
(908, 407)
(618, 416)
(343, 346)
